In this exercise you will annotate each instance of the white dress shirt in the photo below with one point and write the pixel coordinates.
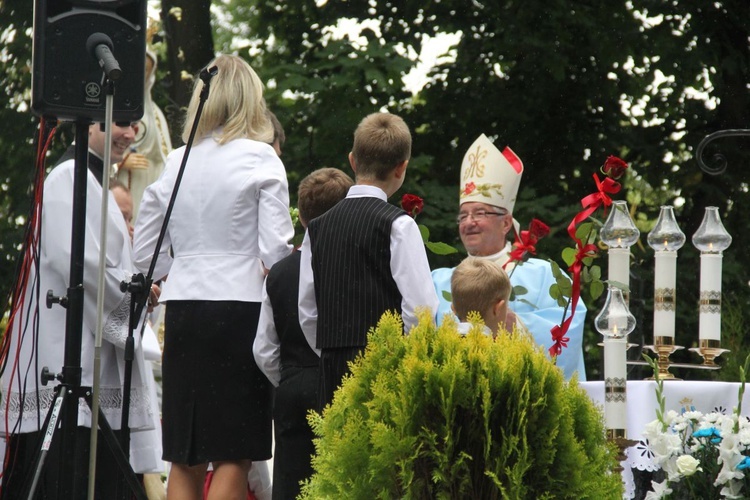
(267, 346)
(409, 268)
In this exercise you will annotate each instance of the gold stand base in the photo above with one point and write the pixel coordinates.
(663, 347)
(617, 436)
(709, 350)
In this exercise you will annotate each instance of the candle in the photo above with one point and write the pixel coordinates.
(619, 265)
(665, 238)
(615, 384)
(709, 326)
(615, 322)
(619, 234)
(665, 277)
(711, 239)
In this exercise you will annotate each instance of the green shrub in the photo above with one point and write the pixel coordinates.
(434, 415)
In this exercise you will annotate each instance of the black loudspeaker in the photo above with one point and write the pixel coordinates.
(75, 41)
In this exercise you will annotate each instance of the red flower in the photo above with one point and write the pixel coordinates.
(470, 186)
(412, 204)
(538, 229)
(614, 167)
(526, 241)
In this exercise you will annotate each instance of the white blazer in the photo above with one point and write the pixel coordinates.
(230, 219)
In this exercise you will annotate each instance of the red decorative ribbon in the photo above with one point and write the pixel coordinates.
(526, 243)
(593, 201)
(590, 204)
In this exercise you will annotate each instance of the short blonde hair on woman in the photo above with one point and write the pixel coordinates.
(477, 285)
(235, 107)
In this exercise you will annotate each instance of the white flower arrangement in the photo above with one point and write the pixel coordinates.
(702, 455)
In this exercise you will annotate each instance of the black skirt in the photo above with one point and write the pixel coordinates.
(216, 403)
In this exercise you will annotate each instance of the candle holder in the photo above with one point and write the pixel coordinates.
(709, 350)
(663, 346)
(711, 239)
(615, 322)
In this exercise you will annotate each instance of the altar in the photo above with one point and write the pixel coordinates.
(642, 405)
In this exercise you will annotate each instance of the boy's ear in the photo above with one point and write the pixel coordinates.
(497, 307)
(352, 164)
(400, 169)
(453, 309)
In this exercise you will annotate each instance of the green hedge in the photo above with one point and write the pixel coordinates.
(433, 415)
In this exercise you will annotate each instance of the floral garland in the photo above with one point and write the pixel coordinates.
(580, 258)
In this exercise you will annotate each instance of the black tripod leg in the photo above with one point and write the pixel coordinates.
(50, 425)
(123, 463)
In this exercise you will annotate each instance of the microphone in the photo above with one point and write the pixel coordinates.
(100, 46)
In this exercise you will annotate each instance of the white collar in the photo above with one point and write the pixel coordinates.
(362, 190)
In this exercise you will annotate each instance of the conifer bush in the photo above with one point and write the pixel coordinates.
(434, 415)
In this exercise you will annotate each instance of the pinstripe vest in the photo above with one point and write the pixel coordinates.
(351, 260)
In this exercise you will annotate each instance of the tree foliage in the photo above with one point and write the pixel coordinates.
(434, 414)
(564, 83)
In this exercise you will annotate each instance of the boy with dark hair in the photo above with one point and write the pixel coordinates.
(280, 348)
(363, 257)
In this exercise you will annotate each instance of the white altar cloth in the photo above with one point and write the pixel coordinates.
(641, 403)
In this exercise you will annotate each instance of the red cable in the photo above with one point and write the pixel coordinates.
(29, 260)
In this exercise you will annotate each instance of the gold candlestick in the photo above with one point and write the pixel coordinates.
(709, 350)
(664, 346)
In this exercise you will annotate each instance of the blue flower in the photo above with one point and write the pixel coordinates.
(744, 464)
(711, 432)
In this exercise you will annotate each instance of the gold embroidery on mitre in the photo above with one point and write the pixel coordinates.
(476, 166)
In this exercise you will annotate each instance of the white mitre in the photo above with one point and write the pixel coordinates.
(490, 176)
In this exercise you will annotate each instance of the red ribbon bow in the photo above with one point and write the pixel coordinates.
(593, 201)
(526, 243)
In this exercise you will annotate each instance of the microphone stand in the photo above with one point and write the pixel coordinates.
(140, 286)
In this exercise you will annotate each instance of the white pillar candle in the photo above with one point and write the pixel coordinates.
(665, 277)
(615, 384)
(710, 297)
(619, 265)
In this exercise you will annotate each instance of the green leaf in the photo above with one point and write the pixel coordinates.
(565, 285)
(596, 289)
(555, 268)
(618, 284)
(569, 255)
(554, 291)
(519, 290)
(447, 296)
(425, 232)
(583, 231)
(596, 272)
(439, 248)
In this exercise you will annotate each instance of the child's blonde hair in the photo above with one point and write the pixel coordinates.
(477, 285)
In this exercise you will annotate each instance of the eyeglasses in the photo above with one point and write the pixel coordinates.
(477, 216)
